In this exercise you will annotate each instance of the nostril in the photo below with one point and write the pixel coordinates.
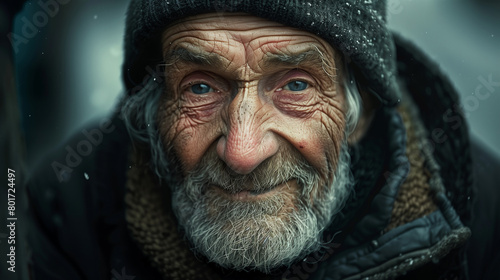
(239, 159)
(221, 148)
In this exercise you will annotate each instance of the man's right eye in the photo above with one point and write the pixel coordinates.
(201, 88)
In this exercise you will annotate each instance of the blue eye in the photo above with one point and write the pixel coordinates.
(201, 88)
(296, 86)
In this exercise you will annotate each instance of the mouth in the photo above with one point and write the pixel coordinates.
(251, 195)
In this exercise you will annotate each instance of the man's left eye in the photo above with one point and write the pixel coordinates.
(296, 86)
(201, 88)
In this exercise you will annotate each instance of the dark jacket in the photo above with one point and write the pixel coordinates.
(78, 229)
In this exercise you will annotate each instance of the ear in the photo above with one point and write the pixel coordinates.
(370, 105)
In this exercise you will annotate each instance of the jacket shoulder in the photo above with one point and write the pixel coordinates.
(483, 250)
(67, 194)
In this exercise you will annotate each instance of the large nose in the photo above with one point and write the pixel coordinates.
(249, 140)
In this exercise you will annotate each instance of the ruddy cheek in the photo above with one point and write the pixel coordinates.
(189, 132)
(191, 143)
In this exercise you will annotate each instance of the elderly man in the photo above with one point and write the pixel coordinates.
(266, 140)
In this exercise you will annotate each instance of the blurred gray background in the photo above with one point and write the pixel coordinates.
(464, 38)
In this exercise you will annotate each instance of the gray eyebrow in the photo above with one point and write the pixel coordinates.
(188, 56)
(311, 56)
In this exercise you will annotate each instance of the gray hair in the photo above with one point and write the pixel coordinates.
(353, 100)
(139, 113)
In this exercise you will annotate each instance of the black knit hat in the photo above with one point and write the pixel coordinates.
(357, 28)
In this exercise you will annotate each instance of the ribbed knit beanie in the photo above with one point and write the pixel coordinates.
(357, 28)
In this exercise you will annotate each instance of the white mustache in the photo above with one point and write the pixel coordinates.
(283, 167)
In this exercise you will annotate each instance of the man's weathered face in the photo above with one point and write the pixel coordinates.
(254, 116)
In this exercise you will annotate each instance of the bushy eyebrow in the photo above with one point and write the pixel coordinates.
(191, 57)
(311, 56)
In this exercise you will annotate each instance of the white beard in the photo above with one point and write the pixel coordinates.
(263, 234)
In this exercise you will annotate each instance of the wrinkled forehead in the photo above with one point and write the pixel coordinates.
(224, 32)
